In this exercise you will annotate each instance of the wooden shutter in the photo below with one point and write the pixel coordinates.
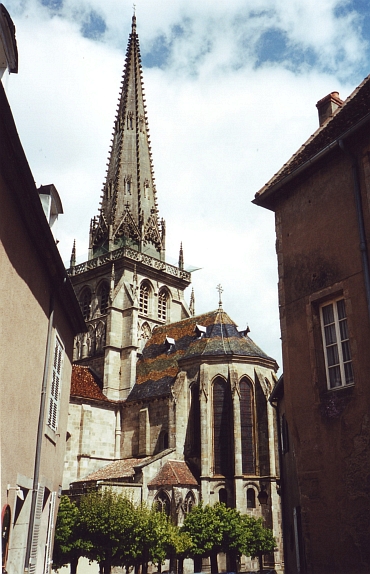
(49, 538)
(36, 529)
(55, 385)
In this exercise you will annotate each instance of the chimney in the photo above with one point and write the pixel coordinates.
(327, 106)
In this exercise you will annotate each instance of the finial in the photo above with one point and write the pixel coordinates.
(112, 283)
(181, 258)
(192, 303)
(134, 18)
(73, 254)
(220, 291)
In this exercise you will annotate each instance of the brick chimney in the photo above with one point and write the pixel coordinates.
(328, 105)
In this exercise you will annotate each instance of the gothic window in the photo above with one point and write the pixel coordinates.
(194, 417)
(189, 502)
(55, 385)
(222, 496)
(222, 429)
(145, 292)
(85, 303)
(144, 335)
(162, 441)
(162, 304)
(103, 295)
(162, 503)
(100, 337)
(251, 498)
(91, 341)
(246, 430)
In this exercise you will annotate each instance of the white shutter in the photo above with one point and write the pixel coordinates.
(36, 528)
(49, 538)
(55, 385)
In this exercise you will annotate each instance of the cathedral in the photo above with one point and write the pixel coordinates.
(166, 406)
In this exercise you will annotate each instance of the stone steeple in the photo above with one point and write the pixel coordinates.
(128, 210)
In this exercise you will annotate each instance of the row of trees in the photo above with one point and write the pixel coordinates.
(108, 528)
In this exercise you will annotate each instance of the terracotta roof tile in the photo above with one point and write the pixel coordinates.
(174, 472)
(85, 384)
(118, 469)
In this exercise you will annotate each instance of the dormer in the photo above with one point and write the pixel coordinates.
(8, 44)
(51, 204)
(200, 331)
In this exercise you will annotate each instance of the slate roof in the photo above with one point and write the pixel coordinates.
(354, 109)
(86, 384)
(118, 469)
(172, 473)
(158, 367)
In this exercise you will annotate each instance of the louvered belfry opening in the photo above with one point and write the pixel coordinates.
(247, 430)
(222, 428)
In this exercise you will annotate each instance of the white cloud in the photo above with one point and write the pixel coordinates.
(220, 126)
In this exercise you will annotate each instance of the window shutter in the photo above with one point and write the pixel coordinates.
(36, 529)
(55, 385)
(49, 538)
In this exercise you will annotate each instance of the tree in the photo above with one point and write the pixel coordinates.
(68, 544)
(260, 540)
(203, 526)
(109, 524)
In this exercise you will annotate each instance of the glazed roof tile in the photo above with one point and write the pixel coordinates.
(159, 365)
(174, 472)
(86, 384)
(353, 110)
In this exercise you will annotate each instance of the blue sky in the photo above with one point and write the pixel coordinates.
(231, 90)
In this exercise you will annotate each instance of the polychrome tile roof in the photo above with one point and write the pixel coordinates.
(84, 384)
(159, 365)
(354, 108)
(174, 472)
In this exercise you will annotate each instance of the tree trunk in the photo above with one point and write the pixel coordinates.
(180, 566)
(173, 564)
(214, 564)
(197, 563)
(260, 560)
(73, 567)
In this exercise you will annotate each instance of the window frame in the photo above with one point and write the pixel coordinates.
(338, 343)
(163, 304)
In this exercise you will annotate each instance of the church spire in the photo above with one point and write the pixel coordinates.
(128, 210)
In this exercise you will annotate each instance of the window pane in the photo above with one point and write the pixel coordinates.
(334, 377)
(333, 357)
(330, 335)
(343, 330)
(346, 352)
(328, 314)
(341, 309)
(348, 373)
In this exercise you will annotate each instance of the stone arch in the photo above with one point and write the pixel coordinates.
(189, 502)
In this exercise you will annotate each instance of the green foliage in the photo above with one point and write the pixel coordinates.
(214, 529)
(260, 540)
(68, 543)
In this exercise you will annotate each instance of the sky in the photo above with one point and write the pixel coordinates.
(231, 89)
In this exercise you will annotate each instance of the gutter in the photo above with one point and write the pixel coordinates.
(261, 196)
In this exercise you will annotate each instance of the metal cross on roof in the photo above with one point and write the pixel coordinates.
(220, 291)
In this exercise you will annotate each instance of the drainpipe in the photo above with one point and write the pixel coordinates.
(40, 432)
(360, 220)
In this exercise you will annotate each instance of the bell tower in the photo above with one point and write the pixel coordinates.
(126, 288)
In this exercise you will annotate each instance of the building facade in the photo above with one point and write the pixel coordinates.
(321, 200)
(167, 406)
(39, 317)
